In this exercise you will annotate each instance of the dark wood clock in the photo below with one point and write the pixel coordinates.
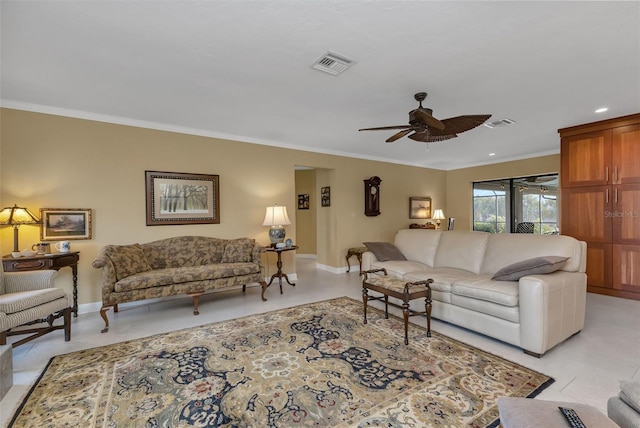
(372, 196)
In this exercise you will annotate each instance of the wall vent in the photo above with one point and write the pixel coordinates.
(499, 123)
(333, 63)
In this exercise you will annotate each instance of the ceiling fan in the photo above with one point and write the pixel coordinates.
(424, 127)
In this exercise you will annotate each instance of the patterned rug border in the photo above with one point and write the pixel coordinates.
(494, 424)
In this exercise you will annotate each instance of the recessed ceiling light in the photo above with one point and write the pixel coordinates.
(492, 154)
(602, 109)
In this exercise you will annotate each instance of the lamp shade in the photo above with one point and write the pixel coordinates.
(15, 216)
(438, 215)
(276, 216)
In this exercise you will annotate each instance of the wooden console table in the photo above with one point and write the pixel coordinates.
(54, 261)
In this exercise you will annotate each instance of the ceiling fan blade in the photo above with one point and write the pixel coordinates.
(458, 124)
(382, 128)
(427, 119)
(399, 135)
(427, 137)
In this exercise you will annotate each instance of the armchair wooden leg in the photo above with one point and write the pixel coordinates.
(103, 314)
(67, 324)
(3, 337)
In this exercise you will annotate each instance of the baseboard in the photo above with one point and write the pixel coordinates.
(336, 270)
(307, 256)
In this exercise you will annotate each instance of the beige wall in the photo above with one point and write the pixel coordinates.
(460, 183)
(306, 219)
(59, 162)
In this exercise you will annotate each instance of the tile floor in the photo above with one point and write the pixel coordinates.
(587, 368)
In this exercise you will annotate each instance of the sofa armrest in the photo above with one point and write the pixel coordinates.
(552, 308)
(102, 261)
(16, 282)
(368, 258)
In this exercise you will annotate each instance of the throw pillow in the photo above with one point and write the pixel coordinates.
(536, 265)
(385, 251)
(238, 250)
(127, 259)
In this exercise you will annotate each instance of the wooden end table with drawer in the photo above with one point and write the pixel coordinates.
(53, 261)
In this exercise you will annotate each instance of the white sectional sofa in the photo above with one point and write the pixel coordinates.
(536, 312)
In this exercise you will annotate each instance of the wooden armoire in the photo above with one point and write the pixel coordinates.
(600, 201)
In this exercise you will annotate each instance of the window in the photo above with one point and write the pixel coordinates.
(499, 205)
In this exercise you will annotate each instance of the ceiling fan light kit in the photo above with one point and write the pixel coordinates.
(424, 127)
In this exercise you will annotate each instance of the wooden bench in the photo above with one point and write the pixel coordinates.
(400, 289)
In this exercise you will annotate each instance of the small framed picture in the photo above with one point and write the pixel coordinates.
(65, 224)
(325, 196)
(303, 202)
(419, 207)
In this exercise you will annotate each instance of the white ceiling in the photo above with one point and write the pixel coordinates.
(242, 70)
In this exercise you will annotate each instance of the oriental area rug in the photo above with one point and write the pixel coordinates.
(312, 365)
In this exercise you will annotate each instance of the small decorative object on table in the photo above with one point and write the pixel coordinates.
(288, 243)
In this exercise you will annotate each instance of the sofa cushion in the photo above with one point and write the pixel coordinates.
(169, 276)
(238, 250)
(500, 292)
(534, 266)
(461, 250)
(506, 248)
(127, 259)
(16, 302)
(630, 394)
(443, 278)
(508, 313)
(398, 268)
(419, 245)
(385, 251)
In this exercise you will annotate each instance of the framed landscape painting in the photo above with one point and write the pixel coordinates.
(182, 198)
(419, 207)
(65, 224)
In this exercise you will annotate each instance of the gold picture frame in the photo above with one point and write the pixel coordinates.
(419, 207)
(65, 224)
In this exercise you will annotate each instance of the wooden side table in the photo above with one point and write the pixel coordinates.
(279, 274)
(355, 251)
(53, 261)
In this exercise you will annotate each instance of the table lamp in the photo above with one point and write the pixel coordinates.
(437, 216)
(15, 216)
(276, 217)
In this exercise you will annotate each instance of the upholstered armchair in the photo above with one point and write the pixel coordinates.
(30, 298)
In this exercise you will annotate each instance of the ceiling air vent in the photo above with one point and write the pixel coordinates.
(499, 123)
(333, 63)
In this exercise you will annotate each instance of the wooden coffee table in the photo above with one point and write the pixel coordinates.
(400, 289)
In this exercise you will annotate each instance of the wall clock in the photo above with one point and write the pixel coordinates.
(372, 196)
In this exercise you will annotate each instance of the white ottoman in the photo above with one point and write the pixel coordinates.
(530, 413)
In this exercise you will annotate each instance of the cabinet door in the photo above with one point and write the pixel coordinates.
(626, 155)
(599, 263)
(584, 213)
(626, 271)
(625, 214)
(586, 159)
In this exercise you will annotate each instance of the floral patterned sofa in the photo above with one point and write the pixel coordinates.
(181, 265)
